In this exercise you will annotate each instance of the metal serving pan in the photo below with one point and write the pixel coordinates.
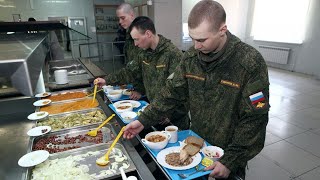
(68, 114)
(84, 90)
(66, 102)
(96, 171)
(68, 139)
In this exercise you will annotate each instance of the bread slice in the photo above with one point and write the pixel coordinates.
(194, 141)
(191, 149)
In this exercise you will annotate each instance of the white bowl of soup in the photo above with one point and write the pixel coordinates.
(114, 95)
(124, 107)
(156, 140)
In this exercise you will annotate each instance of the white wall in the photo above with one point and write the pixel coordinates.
(303, 58)
(236, 11)
(168, 19)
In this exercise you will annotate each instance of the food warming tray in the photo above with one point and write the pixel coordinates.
(72, 113)
(90, 161)
(71, 139)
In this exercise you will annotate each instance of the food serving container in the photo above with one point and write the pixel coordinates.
(68, 139)
(86, 91)
(69, 105)
(89, 156)
(72, 123)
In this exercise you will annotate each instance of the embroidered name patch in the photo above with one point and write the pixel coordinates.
(161, 66)
(195, 77)
(229, 83)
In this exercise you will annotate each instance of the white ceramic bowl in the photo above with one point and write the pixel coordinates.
(123, 107)
(127, 92)
(114, 95)
(212, 152)
(129, 116)
(157, 145)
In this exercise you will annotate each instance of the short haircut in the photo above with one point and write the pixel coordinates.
(126, 7)
(31, 19)
(207, 10)
(143, 23)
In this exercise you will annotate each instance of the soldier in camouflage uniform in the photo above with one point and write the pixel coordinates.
(226, 82)
(126, 15)
(153, 65)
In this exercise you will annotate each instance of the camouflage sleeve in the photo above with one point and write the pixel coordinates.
(129, 74)
(174, 93)
(249, 134)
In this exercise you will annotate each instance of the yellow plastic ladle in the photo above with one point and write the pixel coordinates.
(94, 132)
(104, 160)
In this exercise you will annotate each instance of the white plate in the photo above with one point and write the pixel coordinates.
(42, 102)
(37, 131)
(161, 158)
(135, 104)
(33, 158)
(45, 94)
(38, 115)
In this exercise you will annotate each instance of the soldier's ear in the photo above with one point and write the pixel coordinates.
(148, 33)
(223, 29)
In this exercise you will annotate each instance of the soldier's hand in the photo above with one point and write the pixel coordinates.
(132, 129)
(219, 170)
(100, 82)
(135, 95)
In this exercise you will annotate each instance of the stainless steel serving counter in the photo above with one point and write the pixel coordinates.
(14, 142)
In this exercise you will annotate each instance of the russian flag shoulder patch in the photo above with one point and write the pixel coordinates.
(258, 100)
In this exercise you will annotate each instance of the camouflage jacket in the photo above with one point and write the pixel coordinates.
(225, 100)
(152, 68)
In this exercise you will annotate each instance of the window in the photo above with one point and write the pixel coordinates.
(280, 21)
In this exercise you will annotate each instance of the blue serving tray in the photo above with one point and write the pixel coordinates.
(174, 173)
(143, 103)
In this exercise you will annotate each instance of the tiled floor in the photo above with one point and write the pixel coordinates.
(292, 147)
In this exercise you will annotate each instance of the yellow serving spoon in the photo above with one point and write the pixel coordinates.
(94, 132)
(104, 160)
(94, 93)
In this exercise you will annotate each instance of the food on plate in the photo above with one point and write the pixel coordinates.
(194, 140)
(45, 94)
(192, 147)
(211, 154)
(45, 102)
(44, 130)
(173, 159)
(72, 120)
(206, 162)
(156, 138)
(70, 106)
(40, 114)
(67, 95)
(123, 107)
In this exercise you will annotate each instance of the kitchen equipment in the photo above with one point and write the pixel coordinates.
(95, 131)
